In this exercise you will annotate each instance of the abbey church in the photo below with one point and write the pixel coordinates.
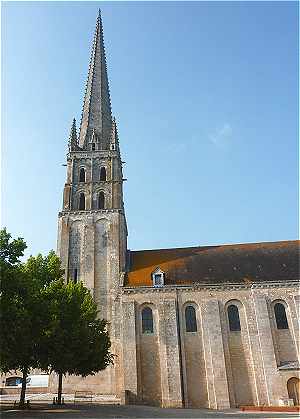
(212, 326)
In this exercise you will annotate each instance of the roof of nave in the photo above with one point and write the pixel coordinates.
(237, 263)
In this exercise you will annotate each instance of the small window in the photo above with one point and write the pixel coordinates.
(102, 174)
(101, 200)
(82, 175)
(75, 275)
(234, 318)
(190, 319)
(280, 316)
(93, 146)
(147, 320)
(81, 201)
(158, 277)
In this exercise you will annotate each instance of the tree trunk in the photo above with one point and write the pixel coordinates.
(23, 389)
(59, 391)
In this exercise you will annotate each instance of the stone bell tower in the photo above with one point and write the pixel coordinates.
(92, 230)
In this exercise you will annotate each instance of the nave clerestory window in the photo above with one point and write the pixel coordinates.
(190, 319)
(234, 318)
(147, 320)
(280, 316)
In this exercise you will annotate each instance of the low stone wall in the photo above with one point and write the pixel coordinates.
(17, 390)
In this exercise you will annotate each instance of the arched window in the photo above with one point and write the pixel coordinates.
(82, 201)
(147, 320)
(75, 275)
(82, 175)
(293, 387)
(102, 174)
(101, 200)
(190, 319)
(234, 318)
(280, 316)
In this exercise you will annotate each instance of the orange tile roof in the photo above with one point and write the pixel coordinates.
(216, 264)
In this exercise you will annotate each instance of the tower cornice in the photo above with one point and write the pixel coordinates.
(101, 154)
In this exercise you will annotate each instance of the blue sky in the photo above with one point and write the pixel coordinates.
(206, 99)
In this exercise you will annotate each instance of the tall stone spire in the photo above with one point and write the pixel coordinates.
(96, 118)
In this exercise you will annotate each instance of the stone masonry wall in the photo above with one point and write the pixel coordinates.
(236, 367)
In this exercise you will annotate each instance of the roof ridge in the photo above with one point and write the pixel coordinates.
(219, 245)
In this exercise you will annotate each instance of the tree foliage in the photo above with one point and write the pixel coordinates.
(10, 250)
(76, 342)
(44, 270)
(10, 253)
(44, 322)
(20, 311)
(23, 313)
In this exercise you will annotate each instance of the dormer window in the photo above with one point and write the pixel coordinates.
(158, 277)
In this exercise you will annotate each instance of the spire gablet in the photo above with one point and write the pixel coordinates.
(73, 139)
(96, 117)
(114, 139)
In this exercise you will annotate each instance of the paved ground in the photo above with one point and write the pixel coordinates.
(94, 411)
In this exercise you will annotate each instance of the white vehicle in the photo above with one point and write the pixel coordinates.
(37, 380)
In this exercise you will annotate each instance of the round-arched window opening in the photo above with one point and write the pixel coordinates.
(101, 200)
(233, 318)
(190, 319)
(75, 275)
(82, 175)
(81, 201)
(102, 174)
(293, 388)
(147, 320)
(280, 316)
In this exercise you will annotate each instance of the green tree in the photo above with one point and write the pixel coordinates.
(10, 250)
(23, 313)
(45, 323)
(17, 299)
(44, 269)
(76, 342)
